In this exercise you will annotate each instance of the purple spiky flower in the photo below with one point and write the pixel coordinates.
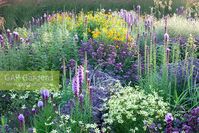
(2, 41)
(75, 85)
(81, 77)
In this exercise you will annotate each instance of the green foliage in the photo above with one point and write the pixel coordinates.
(44, 120)
(131, 109)
(178, 26)
(67, 125)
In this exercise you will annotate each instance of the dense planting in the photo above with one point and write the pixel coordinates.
(120, 72)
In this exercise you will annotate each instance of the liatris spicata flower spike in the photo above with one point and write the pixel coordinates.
(40, 104)
(81, 77)
(16, 36)
(166, 37)
(75, 85)
(2, 41)
(21, 120)
(169, 119)
(45, 94)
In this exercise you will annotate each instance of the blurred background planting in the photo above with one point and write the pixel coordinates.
(18, 12)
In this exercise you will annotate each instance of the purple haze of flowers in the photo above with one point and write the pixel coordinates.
(75, 85)
(72, 63)
(40, 104)
(45, 94)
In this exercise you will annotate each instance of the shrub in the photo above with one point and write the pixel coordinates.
(130, 109)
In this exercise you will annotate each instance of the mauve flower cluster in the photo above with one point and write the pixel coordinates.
(12, 38)
(188, 123)
(115, 59)
(129, 17)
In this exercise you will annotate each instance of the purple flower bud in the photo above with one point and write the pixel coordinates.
(166, 37)
(40, 104)
(75, 85)
(45, 94)
(16, 35)
(168, 117)
(21, 118)
(33, 110)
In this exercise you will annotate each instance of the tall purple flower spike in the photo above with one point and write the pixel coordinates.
(81, 77)
(75, 85)
(2, 41)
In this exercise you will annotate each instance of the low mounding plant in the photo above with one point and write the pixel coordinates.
(131, 110)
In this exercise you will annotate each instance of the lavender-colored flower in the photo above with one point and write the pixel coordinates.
(40, 104)
(21, 118)
(2, 41)
(81, 74)
(33, 110)
(166, 37)
(45, 94)
(72, 63)
(75, 85)
(169, 120)
(118, 66)
(169, 117)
